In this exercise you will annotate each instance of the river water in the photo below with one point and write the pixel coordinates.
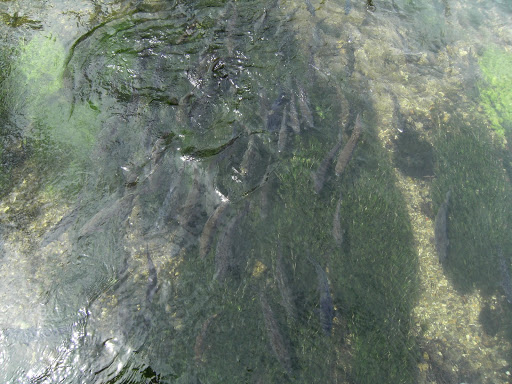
(273, 191)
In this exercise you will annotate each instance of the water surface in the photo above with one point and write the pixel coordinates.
(237, 191)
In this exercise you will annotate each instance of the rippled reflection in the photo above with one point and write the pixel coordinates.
(237, 191)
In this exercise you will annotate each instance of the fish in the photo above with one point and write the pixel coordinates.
(224, 251)
(254, 164)
(274, 116)
(199, 345)
(119, 210)
(346, 154)
(170, 199)
(159, 148)
(310, 7)
(326, 303)
(283, 133)
(440, 229)
(344, 115)
(252, 156)
(321, 173)
(206, 239)
(259, 23)
(190, 213)
(152, 286)
(285, 288)
(276, 339)
(131, 175)
(506, 281)
(304, 108)
(182, 114)
(267, 188)
(263, 106)
(294, 116)
(447, 9)
(337, 232)
(350, 53)
(224, 258)
(61, 227)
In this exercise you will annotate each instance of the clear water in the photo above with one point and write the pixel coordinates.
(255, 191)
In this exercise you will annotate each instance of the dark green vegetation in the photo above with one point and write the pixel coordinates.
(11, 148)
(495, 90)
(480, 206)
(221, 331)
(15, 20)
(39, 136)
(373, 275)
(472, 161)
(110, 119)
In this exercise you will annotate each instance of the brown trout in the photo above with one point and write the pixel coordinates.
(225, 260)
(119, 210)
(320, 175)
(152, 278)
(283, 132)
(281, 273)
(346, 153)
(276, 339)
(294, 115)
(304, 108)
(199, 347)
(206, 239)
(326, 303)
(337, 232)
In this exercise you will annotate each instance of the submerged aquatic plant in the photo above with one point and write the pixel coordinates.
(480, 209)
(496, 89)
(15, 20)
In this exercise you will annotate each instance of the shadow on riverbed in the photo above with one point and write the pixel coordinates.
(228, 212)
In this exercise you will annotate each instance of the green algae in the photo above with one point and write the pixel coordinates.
(40, 64)
(496, 89)
(56, 138)
(54, 143)
(372, 275)
(379, 277)
(373, 282)
(15, 21)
